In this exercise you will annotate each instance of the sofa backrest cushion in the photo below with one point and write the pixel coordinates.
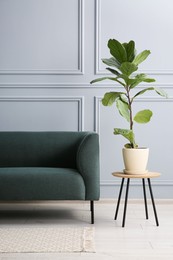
(39, 149)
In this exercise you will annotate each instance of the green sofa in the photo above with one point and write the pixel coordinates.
(49, 166)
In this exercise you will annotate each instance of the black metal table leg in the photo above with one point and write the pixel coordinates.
(119, 198)
(125, 204)
(92, 211)
(145, 198)
(152, 199)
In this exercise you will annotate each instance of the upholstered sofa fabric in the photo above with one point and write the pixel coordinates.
(49, 166)
(41, 183)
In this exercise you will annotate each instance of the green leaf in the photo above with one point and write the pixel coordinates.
(117, 50)
(123, 109)
(130, 50)
(159, 91)
(128, 134)
(143, 116)
(100, 79)
(123, 98)
(140, 78)
(109, 78)
(149, 80)
(141, 57)
(128, 68)
(111, 62)
(130, 145)
(143, 91)
(113, 71)
(110, 97)
(125, 78)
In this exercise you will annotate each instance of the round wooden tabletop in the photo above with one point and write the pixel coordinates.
(143, 176)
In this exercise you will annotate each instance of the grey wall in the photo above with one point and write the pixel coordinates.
(49, 52)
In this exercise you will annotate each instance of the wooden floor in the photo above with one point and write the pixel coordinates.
(139, 239)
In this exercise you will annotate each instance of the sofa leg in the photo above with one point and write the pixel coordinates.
(92, 211)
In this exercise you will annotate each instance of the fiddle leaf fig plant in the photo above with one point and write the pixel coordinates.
(123, 64)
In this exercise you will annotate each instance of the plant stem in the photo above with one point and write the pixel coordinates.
(130, 111)
(130, 107)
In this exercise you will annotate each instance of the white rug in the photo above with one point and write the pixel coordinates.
(46, 239)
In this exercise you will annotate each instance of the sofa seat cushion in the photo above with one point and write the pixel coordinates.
(41, 183)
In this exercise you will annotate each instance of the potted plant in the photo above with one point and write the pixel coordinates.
(122, 64)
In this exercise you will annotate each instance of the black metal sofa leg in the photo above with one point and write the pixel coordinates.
(92, 211)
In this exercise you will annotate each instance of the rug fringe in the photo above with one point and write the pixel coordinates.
(88, 241)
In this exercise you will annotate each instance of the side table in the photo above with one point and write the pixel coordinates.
(147, 176)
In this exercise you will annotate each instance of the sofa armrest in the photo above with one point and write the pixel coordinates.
(89, 166)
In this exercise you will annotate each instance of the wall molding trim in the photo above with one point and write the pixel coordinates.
(79, 100)
(98, 57)
(97, 101)
(50, 85)
(78, 71)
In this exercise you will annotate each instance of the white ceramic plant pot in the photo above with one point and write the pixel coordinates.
(135, 160)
